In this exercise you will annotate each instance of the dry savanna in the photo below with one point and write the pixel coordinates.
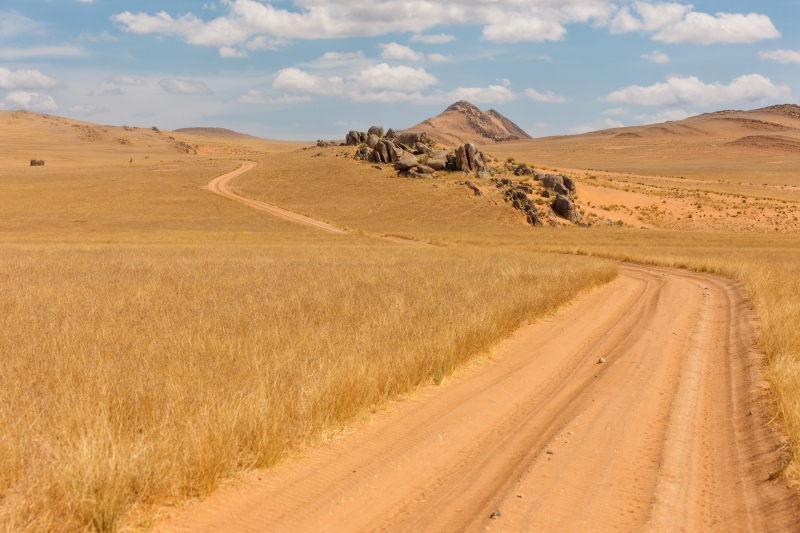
(445, 328)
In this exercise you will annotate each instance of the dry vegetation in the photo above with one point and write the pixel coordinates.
(144, 374)
(158, 339)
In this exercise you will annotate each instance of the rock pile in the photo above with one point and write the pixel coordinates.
(564, 189)
(37, 162)
(517, 195)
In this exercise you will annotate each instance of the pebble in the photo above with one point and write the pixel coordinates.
(495, 514)
(550, 452)
(601, 361)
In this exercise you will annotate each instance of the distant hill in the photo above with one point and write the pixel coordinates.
(215, 132)
(463, 122)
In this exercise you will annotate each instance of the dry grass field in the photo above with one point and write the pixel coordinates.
(160, 340)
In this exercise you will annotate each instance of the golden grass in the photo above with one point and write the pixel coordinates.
(135, 375)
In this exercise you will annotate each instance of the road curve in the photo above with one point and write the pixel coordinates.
(221, 186)
(670, 433)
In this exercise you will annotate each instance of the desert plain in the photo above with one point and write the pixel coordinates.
(206, 331)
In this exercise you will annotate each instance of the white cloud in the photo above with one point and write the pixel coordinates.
(173, 86)
(227, 51)
(12, 23)
(781, 56)
(656, 57)
(296, 80)
(664, 116)
(433, 39)
(615, 112)
(255, 97)
(384, 83)
(439, 58)
(546, 97)
(129, 81)
(103, 36)
(29, 101)
(27, 79)
(401, 78)
(691, 91)
(330, 60)
(87, 110)
(503, 20)
(671, 22)
(42, 51)
(398, 52)
(545, 58)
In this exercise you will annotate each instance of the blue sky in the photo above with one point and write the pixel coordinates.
(309, 69)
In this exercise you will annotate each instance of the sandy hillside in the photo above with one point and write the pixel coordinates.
(462, 122)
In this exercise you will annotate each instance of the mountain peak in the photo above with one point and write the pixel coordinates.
(463, 122)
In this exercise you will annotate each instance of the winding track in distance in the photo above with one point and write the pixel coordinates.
(221, 186)
(670, 433)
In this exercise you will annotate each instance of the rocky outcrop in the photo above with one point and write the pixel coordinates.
(517, 195)
(406, 161)
(564, 208)
(377, 131)
(372, 140)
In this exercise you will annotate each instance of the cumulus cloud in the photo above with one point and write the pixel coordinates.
(30, 101)
(385, 83)
(503, 20)
(398, 52)
(440, 38)
(173, 86)
(664, 116)
(547, 97)
(403, 78)
(656, 57)
(27, 79)
(781, 56)
(690, 91)
(42, 51)
(228, 51)
(331, 60)
(255, 97)
(87, 109)
(671, 22)
(130, 81)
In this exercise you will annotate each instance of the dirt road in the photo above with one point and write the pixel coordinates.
(670, 433)
(221, 186)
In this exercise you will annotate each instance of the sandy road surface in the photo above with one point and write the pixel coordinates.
(221, 186)
(669, 434)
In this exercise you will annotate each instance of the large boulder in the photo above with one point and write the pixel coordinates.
(470, 151)
(559, 188)
(376, 130)
(569, 183)
(392, 151)
(477, 163)
(362, 137)
(411, 138)
(462, 162)
(564, 208)
(391, 134)
(352, 138)
(372, 140)
(383, 152)
(437, 159)
(422, 149)
(550, 180)
(406, 161)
